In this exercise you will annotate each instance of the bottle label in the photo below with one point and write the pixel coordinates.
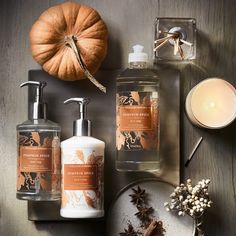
(135, 118)
(137, 121)
(80, 177)
(35, 159)
(38, 162)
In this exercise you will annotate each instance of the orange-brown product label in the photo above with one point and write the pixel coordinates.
(135, 118)
(35, 159)
(80, 176)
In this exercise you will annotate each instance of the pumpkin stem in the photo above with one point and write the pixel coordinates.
(70, 41)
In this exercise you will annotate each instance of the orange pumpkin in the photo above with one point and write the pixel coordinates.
(59, 28)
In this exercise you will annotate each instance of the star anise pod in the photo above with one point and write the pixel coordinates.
(144, 213)
(138, 197)
(129, 232)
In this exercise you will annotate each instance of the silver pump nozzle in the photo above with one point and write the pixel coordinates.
(82, 126)
(38, 109)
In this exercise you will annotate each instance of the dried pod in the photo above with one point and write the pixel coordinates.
(138, 197)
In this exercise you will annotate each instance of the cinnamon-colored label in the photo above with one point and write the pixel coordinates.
(35, 159)
(135, 118)
(80, 176)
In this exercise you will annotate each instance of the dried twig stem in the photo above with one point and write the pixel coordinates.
(161, 44)
(70, 41)
(150, 228)
(176, 37)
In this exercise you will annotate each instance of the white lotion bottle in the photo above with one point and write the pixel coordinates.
(82, 169)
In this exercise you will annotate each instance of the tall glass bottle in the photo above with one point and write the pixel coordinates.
(38, 159)
(137, 116)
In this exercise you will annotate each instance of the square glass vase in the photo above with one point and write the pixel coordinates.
(186, 28)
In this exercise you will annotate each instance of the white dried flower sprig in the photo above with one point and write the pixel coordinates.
(190, 200)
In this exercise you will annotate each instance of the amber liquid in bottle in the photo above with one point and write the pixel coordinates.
(137, 121)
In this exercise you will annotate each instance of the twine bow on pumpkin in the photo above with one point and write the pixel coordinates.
(71, 42)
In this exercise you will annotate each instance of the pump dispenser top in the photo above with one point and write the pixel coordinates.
(138, 55)
(81, 126)
(38, 109)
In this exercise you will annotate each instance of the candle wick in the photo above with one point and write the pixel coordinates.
(193, 151)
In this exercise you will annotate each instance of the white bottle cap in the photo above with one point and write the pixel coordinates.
(138, 55)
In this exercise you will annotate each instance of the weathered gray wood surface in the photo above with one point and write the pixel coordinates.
(129, 22)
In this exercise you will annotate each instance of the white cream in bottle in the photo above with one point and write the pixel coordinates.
(82, 170)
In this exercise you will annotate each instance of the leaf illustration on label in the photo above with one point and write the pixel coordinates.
(64, 199)
(155, 114)
(27, 140)
(136, 97)
(123, 100)
(20, 180)
(55, 181)
(47, 142)
(80, 155)
(44, 182)
(120, 139)
(132, 140)
(91, 202)
(56, 154)
(29, 182)
(56, 142)
(75, 197)
(92, 159)
(36, 137)
(148, 140)
(22, 140)
(147, 101)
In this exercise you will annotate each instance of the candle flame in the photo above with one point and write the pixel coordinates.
(212, 105)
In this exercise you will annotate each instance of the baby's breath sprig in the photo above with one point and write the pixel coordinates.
(191, 200)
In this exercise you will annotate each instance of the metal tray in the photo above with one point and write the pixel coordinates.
(101, 111)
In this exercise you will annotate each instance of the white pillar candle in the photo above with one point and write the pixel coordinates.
(212, 104)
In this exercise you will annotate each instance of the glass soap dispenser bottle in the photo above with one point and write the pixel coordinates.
(137, 116)
(82, 169)
(38, 143)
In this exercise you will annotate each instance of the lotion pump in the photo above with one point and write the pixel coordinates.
(82, 169)
(38, 161)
